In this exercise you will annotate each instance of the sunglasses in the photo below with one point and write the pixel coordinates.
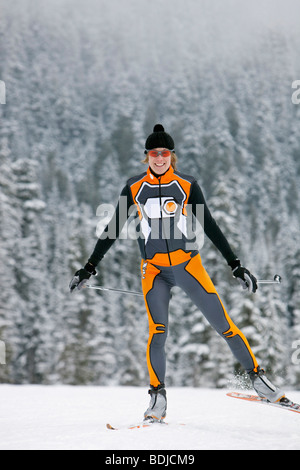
(163, 153)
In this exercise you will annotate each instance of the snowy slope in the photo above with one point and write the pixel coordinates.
(66, 417)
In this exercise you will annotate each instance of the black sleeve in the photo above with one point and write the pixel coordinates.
(211, 228)
(113, 228)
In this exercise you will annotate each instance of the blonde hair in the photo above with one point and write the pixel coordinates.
(173, 160)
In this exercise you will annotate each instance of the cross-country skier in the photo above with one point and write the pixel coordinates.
(162, 197)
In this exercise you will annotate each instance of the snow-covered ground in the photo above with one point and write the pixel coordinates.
(66, 417)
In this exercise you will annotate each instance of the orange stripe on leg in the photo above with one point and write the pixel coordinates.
(149, 273)
(196, 269)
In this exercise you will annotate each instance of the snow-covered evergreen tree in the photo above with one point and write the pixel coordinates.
(83, 92)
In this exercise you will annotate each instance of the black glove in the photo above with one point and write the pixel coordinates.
(245, 278)
(81, 276)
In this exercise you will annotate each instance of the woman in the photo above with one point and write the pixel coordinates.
(162, 197)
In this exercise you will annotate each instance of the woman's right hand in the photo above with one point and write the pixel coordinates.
(81, 276)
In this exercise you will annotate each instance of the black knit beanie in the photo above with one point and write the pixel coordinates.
(159, 138)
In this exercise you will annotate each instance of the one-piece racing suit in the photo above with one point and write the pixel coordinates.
(170, 258)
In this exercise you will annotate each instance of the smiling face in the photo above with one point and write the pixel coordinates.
(159, 164)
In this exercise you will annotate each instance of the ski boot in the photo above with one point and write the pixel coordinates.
(156, 411)
(264, 388)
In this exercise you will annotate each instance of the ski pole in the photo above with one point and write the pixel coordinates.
(114, 290)
(276, 280)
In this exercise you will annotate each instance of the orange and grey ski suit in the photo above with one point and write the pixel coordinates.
(170, 258)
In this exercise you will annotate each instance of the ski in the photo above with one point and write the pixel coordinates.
(285, 404)
(144, 424)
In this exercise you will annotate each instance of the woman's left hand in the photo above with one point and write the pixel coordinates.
(245, 278)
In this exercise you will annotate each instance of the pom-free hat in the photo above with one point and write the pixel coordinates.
(159, 138)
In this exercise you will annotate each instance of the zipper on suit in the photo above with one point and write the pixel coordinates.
(162, 222)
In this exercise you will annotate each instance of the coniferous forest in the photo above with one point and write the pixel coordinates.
(85, 83)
